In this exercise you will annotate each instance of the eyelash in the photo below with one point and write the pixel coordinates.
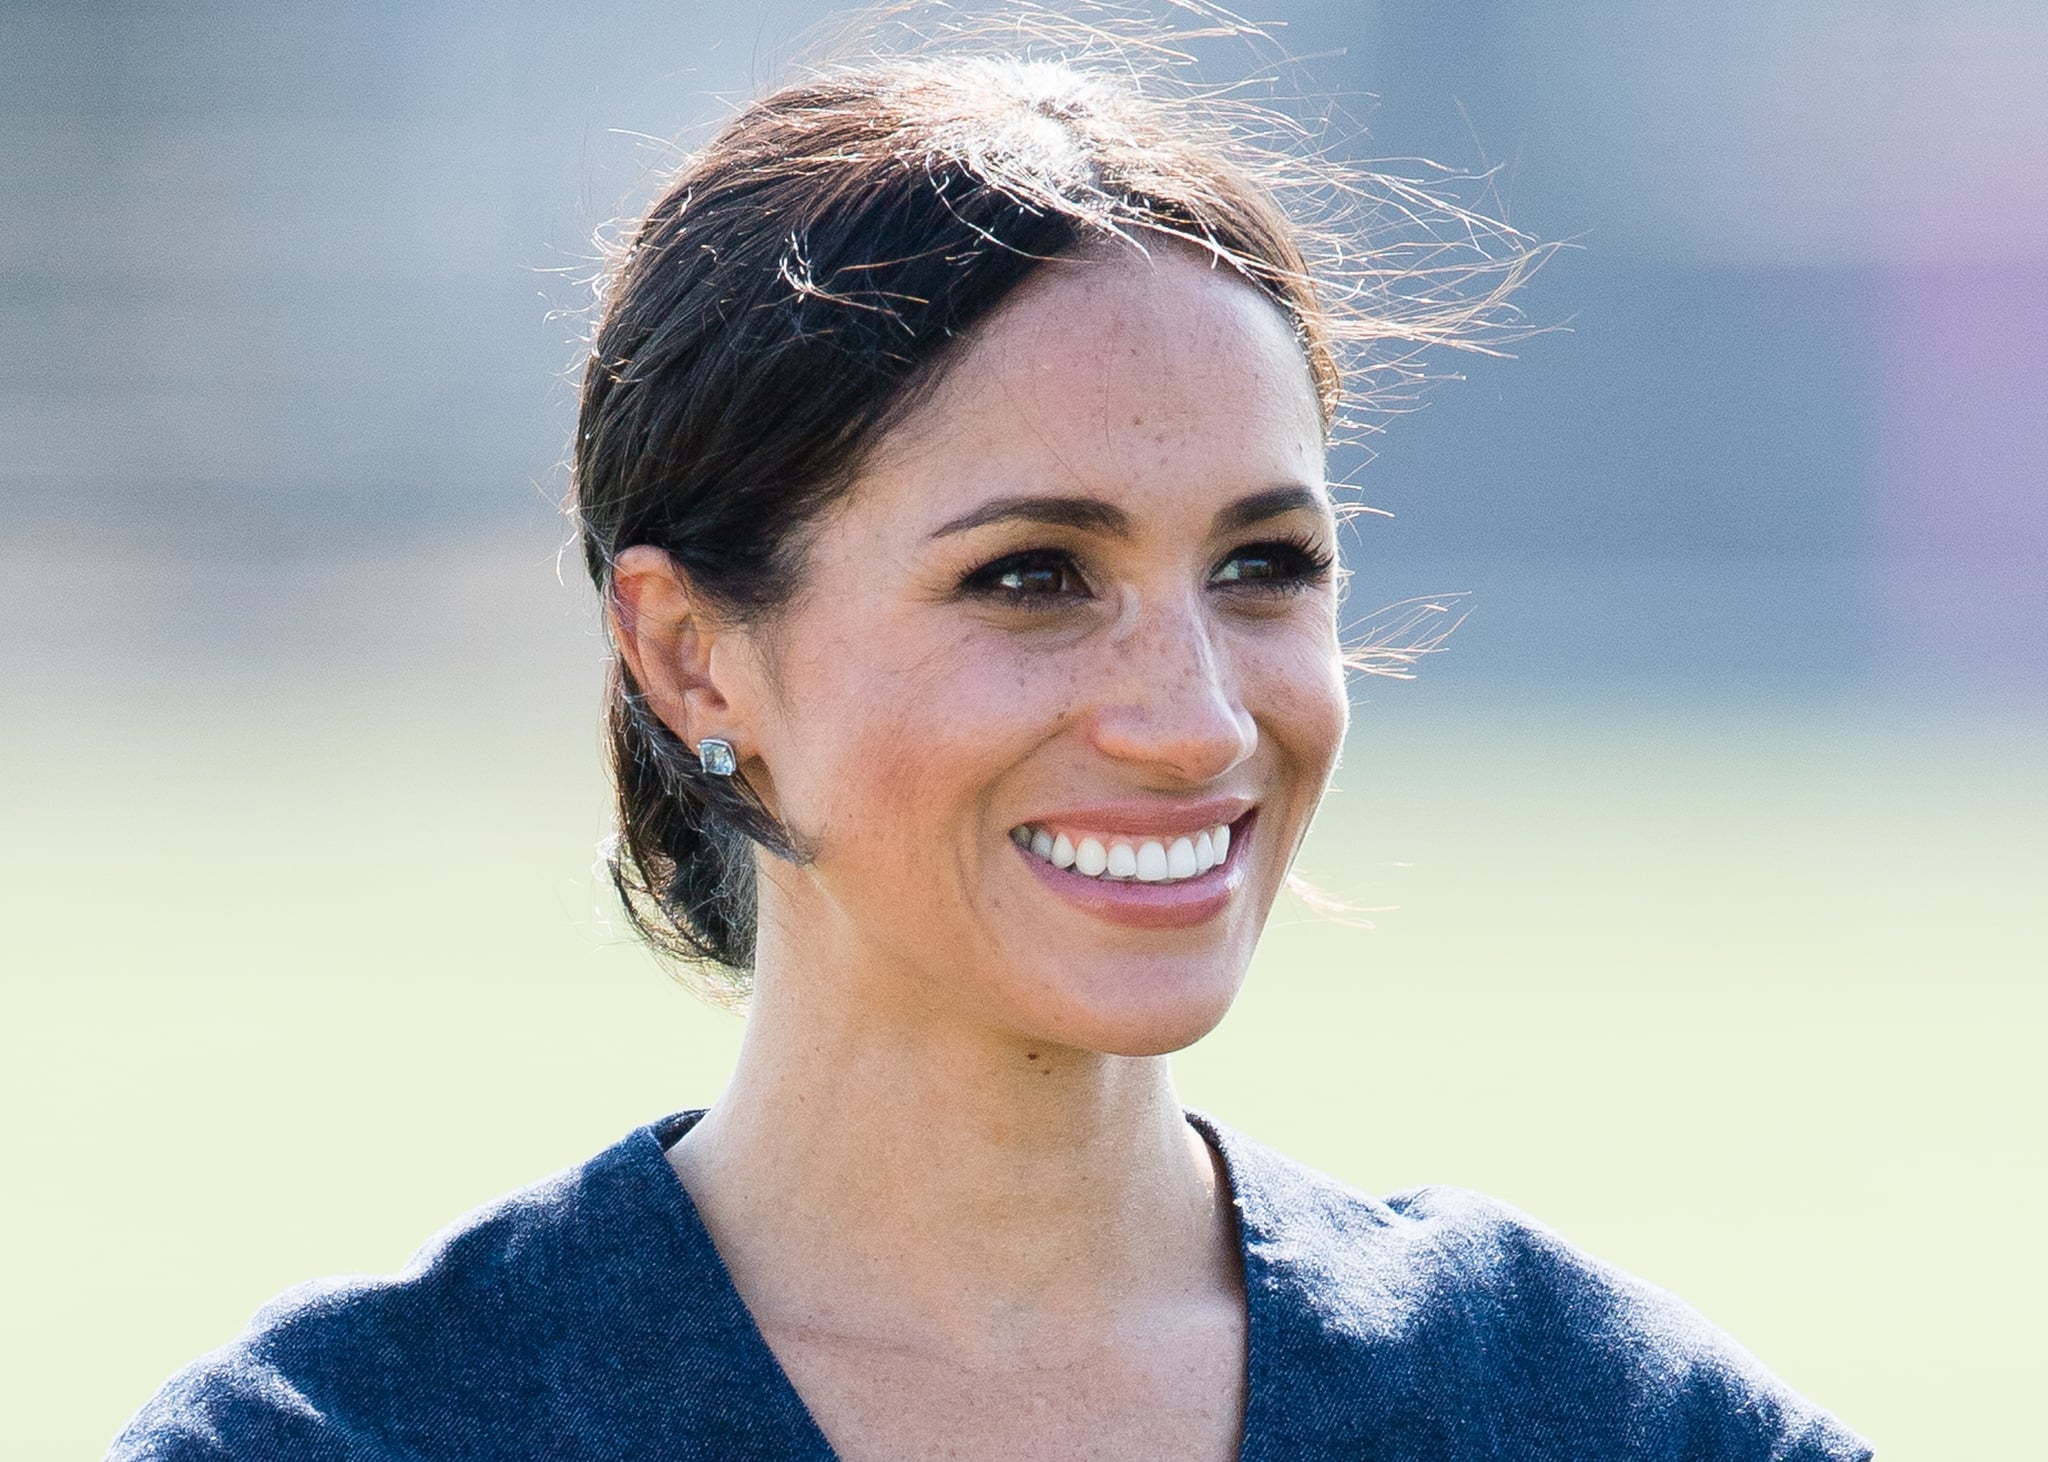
(1300, 562)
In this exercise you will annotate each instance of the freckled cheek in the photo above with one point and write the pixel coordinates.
(907, 747)
(1295, 690)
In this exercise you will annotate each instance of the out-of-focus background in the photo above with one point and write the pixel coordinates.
(1707, 865)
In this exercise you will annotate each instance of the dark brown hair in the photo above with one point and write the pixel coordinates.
(798, 283)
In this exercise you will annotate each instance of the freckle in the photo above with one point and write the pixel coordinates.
(1031, 1056)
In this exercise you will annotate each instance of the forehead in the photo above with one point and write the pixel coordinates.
(1154, 379)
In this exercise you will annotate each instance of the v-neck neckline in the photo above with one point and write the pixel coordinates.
(779, 1397)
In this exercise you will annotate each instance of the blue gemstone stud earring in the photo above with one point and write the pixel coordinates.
(716, 755)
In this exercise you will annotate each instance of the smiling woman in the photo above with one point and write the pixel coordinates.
(1081, 590)
(951, 466)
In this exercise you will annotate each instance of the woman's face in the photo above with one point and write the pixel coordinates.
(1062, 687)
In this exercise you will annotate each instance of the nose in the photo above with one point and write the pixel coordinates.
(1169, 698)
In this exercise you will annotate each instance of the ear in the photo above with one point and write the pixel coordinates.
(679, 653)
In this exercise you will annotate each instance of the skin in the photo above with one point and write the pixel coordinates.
(950, 1176)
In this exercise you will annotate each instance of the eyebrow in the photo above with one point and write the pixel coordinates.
(1092, 514)
(1088, 513)
(1274, 502)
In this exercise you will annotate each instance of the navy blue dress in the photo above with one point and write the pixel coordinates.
(589, 1317)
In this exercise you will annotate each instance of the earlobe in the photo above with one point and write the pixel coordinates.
(666, 638)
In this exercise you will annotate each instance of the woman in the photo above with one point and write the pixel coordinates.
(951, 465)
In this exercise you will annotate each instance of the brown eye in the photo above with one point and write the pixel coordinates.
(1037, 576)
(1274, 567)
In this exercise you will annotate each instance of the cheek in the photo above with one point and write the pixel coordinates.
(1295, 688)
(899, 734)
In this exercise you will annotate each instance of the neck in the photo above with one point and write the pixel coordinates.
(980, 1182)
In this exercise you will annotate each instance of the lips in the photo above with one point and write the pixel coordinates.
(1143, 868)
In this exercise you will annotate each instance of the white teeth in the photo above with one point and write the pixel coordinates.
(1153, 860)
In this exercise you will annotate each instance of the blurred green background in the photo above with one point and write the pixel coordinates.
(1703, 875)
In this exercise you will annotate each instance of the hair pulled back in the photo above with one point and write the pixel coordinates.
(797, 284)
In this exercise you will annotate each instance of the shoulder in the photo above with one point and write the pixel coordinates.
(1668, 1372)
(1467, 1326)
(497, 1326)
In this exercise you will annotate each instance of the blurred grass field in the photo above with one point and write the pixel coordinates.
(1747, 999)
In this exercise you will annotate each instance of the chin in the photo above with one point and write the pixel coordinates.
(1152, 1008)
